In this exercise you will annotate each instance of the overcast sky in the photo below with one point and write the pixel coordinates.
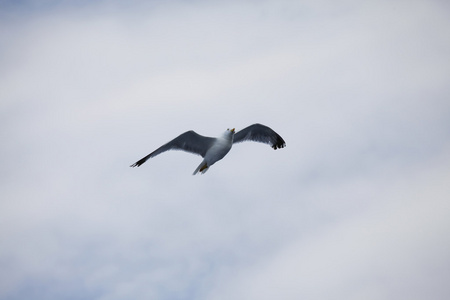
(355, 207)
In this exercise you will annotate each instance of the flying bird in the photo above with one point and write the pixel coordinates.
(214, 149)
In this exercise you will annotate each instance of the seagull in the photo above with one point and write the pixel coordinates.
(214, 149)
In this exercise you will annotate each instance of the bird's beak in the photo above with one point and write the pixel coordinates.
(232, 130)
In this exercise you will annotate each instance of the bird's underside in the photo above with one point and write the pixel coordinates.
(214, 149)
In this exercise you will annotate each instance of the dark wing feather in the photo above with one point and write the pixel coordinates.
(189, 141)
(260, 133)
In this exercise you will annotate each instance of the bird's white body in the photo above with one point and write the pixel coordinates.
(217, 151)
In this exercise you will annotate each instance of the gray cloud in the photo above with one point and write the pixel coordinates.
(354, 207)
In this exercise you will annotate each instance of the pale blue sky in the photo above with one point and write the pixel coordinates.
(355, 207)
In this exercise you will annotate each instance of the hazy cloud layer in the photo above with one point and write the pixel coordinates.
(355, 207)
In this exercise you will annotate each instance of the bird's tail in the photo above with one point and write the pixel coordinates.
(202, 168)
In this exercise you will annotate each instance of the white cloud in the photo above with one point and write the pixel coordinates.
(377, 254)
(353, 207)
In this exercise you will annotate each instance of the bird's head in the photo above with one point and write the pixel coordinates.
(229, 133)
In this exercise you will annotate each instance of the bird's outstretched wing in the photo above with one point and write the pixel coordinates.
(260, 133)
(189, 141)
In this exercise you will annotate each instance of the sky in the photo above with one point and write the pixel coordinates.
(355, 207)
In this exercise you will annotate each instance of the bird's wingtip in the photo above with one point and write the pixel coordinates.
(136, 164)
(275, 147)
